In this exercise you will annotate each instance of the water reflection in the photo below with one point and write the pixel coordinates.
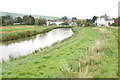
(29, 45)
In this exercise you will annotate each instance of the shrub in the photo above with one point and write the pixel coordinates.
(115, 24)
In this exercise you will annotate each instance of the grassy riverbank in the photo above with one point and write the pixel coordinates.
(89, 52)
(21, 31)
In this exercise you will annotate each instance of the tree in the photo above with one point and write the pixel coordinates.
(74, 19)
(78, 22)
(40, 21)
(28, 20)
(83, 22)
(18, 20)
(65, 18)
(7, 20)
(65, 23)
(31, 20)
(89, 21)
(94, 18)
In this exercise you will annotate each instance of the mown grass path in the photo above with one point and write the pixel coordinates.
(48, 63)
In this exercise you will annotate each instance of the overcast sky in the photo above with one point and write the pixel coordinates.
(72, 8)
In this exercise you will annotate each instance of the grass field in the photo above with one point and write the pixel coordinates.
(18, 28)
(21, 31)
(89, 52)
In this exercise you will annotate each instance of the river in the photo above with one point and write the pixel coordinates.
(29, 45)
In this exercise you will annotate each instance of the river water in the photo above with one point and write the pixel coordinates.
(29, 45)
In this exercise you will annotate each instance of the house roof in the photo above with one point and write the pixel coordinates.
(105, 17)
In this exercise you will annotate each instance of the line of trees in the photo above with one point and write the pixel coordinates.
(29, 20)
(85, 23)
(65, 18)
(25, 20)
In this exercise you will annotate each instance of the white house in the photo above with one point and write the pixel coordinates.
(104, 20)
(54, 22)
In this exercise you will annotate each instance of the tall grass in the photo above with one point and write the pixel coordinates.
(89, 65)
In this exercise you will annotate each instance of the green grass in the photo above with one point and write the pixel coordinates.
(48, 63)
(20, 27)
(100, 61)
(24, 31)
(109, 67)
(26, 28)
(27, 32)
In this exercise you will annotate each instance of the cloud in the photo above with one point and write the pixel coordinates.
(59, 8)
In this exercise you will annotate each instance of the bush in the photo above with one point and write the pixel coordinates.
(115, 24)
(40, 22)
(65, 23)
(90, 24)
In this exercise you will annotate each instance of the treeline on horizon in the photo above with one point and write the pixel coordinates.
(25, 20)
(30, 20)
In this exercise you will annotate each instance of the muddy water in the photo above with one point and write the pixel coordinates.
(27, 46)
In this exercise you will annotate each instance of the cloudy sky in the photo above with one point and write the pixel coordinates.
(72, 8)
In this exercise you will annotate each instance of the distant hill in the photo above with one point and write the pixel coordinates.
(14, 15)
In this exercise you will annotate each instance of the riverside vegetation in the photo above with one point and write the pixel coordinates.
(16, 32)
(89, 52)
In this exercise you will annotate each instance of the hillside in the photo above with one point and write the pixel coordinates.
(13, 15)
